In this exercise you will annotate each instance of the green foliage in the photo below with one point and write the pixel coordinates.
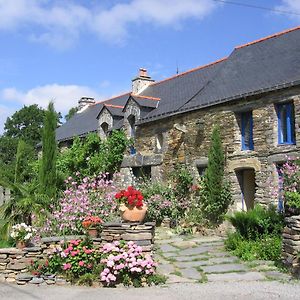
(182, 180)
(267, 247)
(156, 279)
(48, 178)
(87, 279)
(215, 193)
(257, 222)
(71, 113)
(24, 202)
(91, 156)
(292, 199)
(26, 124)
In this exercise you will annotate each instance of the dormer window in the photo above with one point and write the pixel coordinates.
(131, 121)
(104, 127)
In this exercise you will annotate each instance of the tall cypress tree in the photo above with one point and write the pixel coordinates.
(19, 158)
(48, 177)
(215, 193)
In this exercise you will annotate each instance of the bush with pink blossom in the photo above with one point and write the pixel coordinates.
(81, 199)
(124, 262)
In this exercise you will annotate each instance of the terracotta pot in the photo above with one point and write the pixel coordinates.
(133, 214)
(93, 232)
(21, 244)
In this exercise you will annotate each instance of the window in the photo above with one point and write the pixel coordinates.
(247, 130)
(131, 121)
(286, 123)
(142, 172)
(159, 141)
(201, 170)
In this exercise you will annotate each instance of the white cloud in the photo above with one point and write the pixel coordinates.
(290, 6)
(4, 113)
(64, 96)
(60, 23)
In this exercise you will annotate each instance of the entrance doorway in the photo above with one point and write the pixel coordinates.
(246, 179)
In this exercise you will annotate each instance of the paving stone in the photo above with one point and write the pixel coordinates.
(170, 254)
(195, 251)
(185, 244)
(178, 279)
(276, 275)
(222, 268)
(222, 260)
(191, 264)
(191, 258)
(248, 276)
(165, 269)
(219, 254)
(167, 248)
(191, 273)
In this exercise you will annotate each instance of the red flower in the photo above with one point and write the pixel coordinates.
(130, 197)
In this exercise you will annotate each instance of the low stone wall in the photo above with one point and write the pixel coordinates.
(291, 244)
(14, 262)
(141, 234)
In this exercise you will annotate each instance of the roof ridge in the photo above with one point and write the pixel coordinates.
(268, 37)
(191, 70)
(128, 93)
(113, 105)
(147, 97)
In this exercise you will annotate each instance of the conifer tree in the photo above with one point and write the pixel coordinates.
(19, 159)
(215, 193)
(48, 177)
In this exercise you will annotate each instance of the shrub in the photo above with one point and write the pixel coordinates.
(90, 197)
(215, 196)
(158, 208)
(257, 222)
(267, 247)
(125, 263)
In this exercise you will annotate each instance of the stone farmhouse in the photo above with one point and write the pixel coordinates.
(254, 96)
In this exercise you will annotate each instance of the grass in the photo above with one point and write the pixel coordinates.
(5, 244)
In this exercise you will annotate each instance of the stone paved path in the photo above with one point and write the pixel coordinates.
(204, 259)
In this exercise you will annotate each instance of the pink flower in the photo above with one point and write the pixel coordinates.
(81, 263)
(67, 266)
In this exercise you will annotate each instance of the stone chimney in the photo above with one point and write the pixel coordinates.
(140, 82)
(85, 101)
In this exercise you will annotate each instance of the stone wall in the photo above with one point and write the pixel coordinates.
(187, 139)
(291, 244)
(14, 262)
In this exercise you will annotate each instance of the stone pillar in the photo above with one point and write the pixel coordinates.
(291, 244)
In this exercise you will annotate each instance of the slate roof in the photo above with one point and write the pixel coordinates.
(264, 65)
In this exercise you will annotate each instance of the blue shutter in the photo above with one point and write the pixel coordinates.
(247, 131)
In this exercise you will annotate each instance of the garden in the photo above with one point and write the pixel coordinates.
(78, 195)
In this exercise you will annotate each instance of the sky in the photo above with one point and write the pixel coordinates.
(61, 50)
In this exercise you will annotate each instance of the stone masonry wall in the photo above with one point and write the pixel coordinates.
(187, 140)
(14, 262)
(291, 244)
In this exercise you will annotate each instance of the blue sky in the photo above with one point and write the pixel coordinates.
(62, 50)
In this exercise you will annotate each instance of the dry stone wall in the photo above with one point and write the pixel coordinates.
(14, 262)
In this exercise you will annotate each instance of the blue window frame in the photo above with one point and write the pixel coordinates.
(247, 130)
(286, 123)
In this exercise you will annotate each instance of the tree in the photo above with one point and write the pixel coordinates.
(215, 193)
(71, 113)
(48, 178)
(26, 124)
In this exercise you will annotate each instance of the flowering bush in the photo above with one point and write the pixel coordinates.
(130, 197)
(91, 222)
(90, 197)
(125, 263)
(291, 183)
(158, 208)
(22, 232)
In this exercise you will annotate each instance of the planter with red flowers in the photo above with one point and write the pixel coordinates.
(92, 224)
(131, 206)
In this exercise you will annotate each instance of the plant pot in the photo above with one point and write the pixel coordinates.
(133, 214)
(20, 244)
(93, 232)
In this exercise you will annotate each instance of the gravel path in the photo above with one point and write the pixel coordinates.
(213, 290)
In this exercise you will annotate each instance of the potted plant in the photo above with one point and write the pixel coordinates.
(131, 205)
(22, 233)
(92, 224)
